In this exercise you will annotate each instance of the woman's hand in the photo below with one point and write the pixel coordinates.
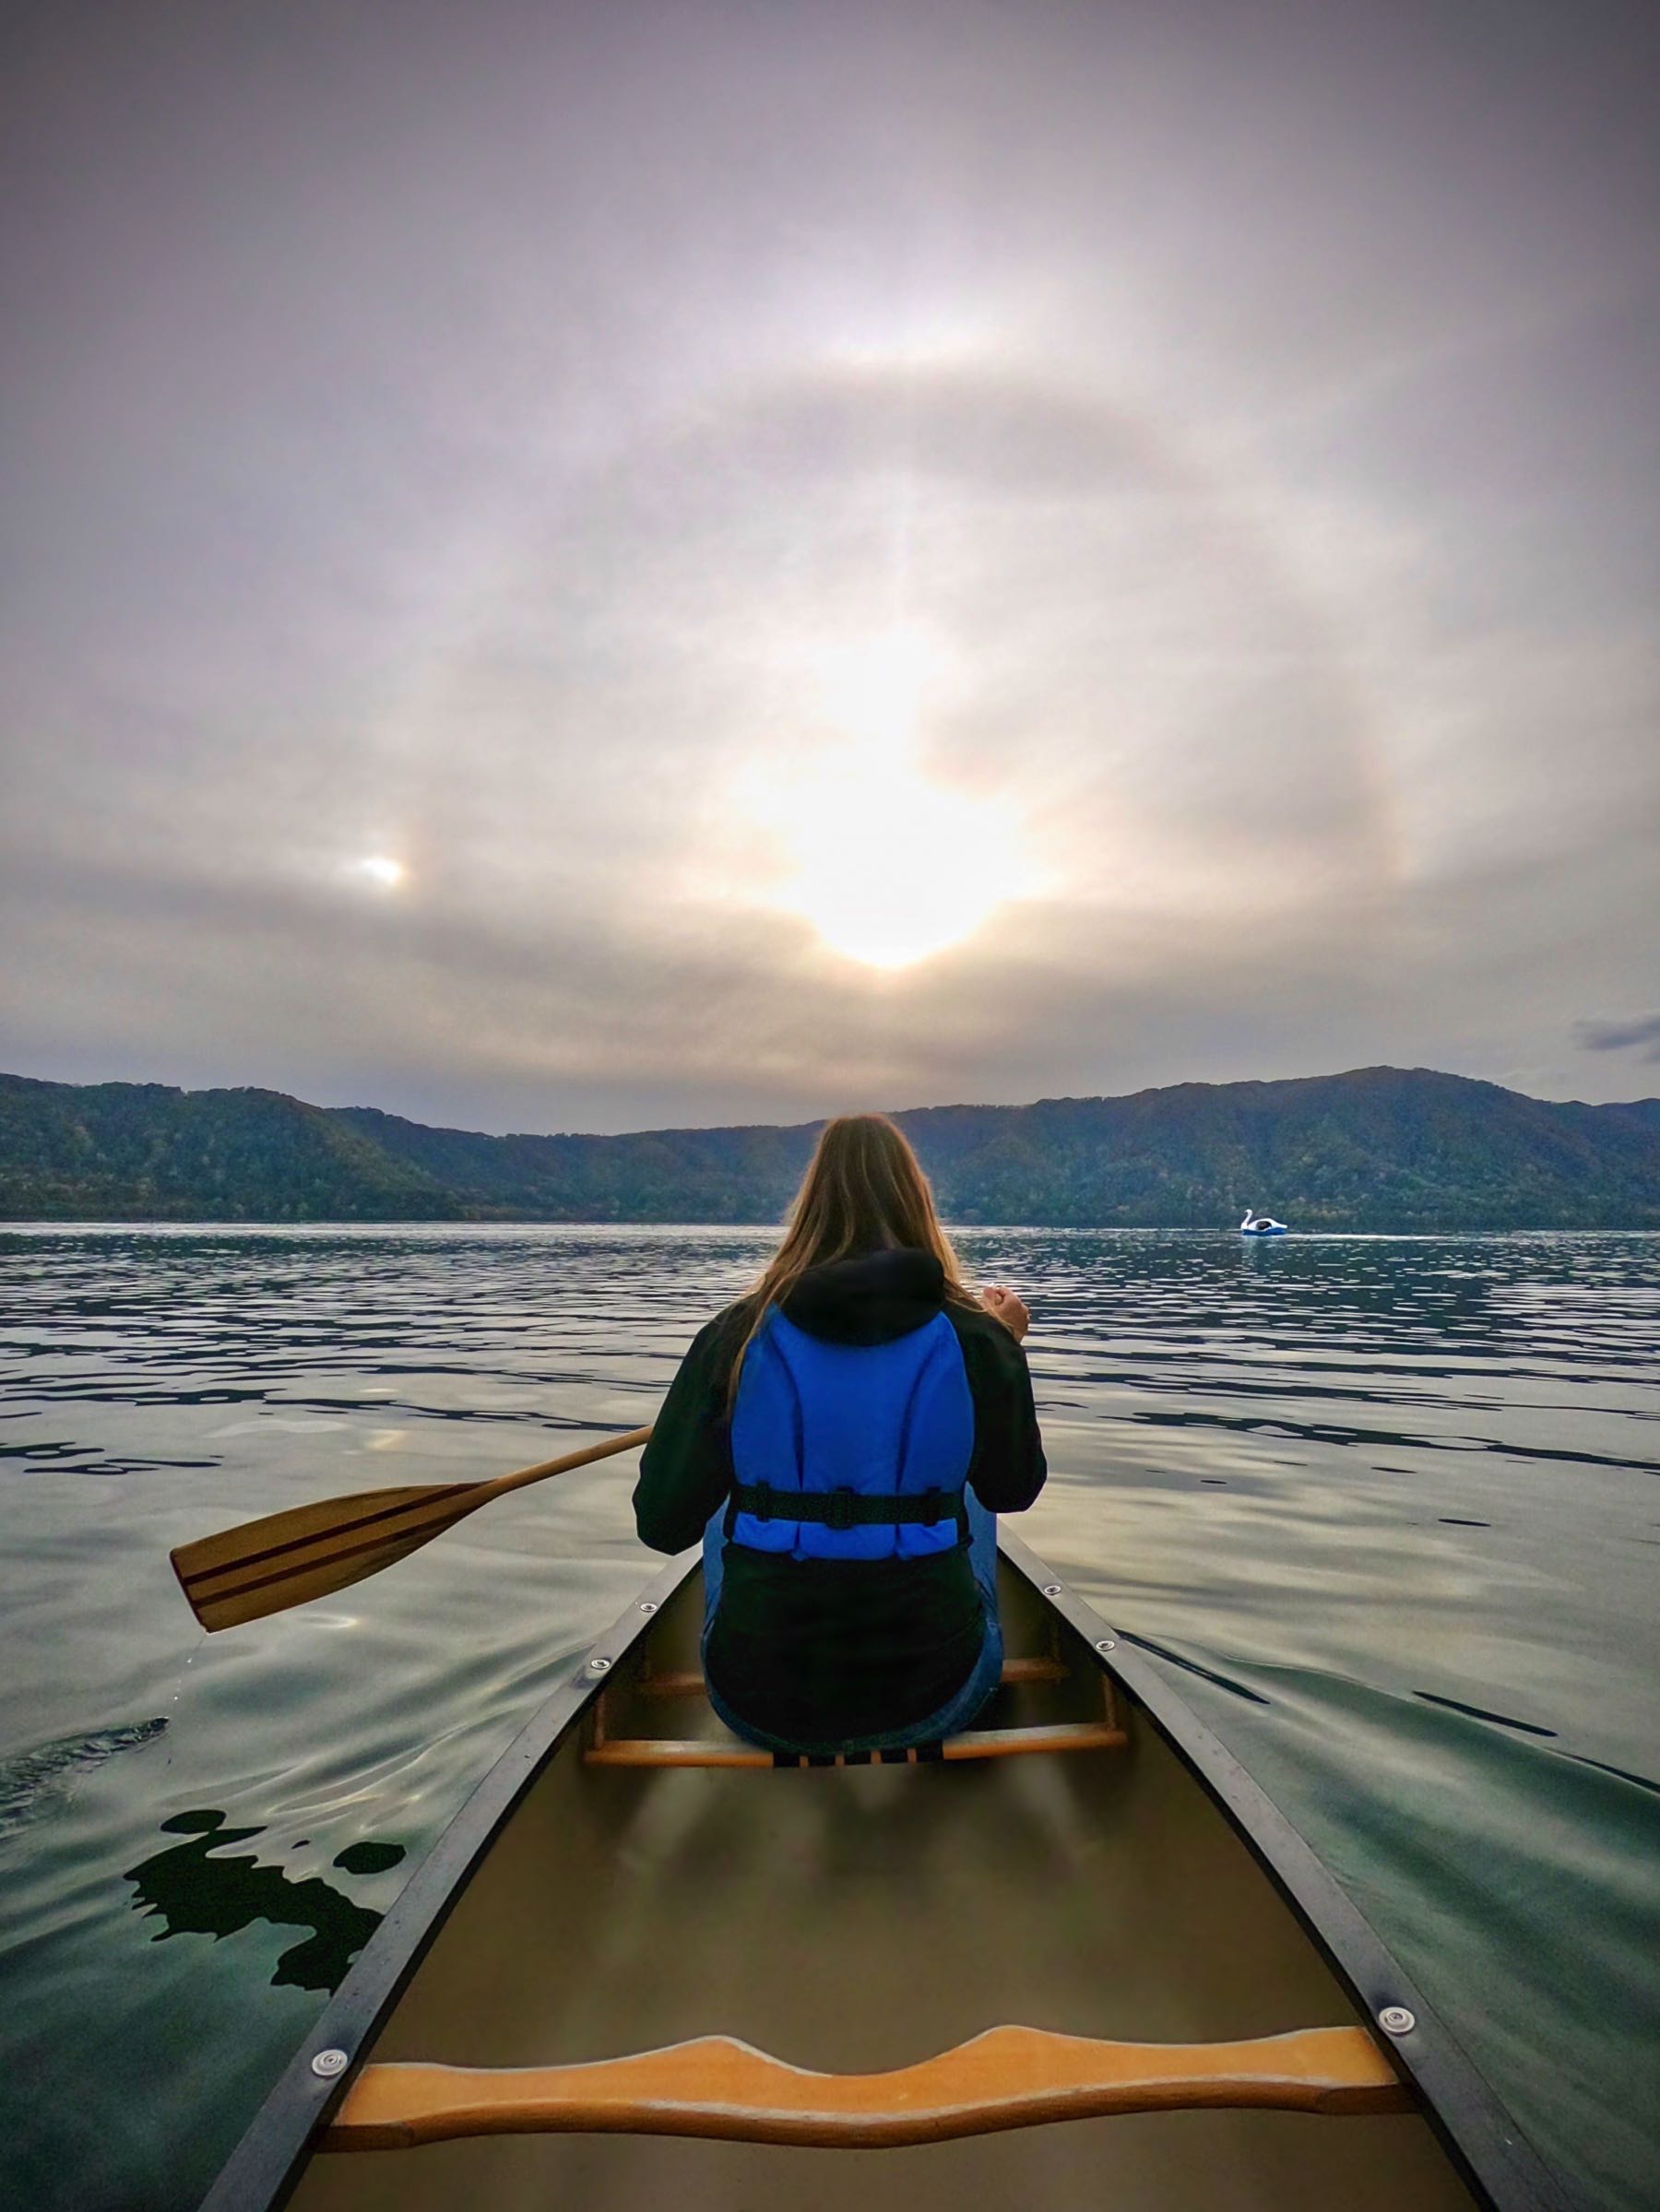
(1005, 1306)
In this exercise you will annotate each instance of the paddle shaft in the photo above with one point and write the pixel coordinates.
(500, 1485)
(483, 1494)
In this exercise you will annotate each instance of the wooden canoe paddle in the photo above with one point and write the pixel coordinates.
(267, 1565)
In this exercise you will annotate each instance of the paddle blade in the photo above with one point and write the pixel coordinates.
(267, 1565)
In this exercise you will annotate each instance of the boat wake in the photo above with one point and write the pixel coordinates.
(31, 1780)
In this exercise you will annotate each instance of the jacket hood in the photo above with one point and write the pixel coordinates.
(869, 1300)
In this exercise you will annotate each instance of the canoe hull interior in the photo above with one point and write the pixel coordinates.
(861, 1919)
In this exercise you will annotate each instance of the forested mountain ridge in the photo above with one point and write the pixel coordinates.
(1377, 1148)
(139, 1151)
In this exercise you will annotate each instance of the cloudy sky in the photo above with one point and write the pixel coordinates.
(584, 566)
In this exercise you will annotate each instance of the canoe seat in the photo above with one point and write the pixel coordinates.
(605, 1750)
(973, 1744)
(1008, 2077)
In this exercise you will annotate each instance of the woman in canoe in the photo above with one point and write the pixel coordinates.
(841, 1439)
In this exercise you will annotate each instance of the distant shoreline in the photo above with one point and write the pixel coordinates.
(1325, 1232)
(1373, 1151)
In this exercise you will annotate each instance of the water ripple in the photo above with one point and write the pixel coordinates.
(1380, 1505)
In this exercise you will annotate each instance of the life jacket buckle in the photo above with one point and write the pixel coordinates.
(931, 1506)
(840, 1514)
(762, 1508)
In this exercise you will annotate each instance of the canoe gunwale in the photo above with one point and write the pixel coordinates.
(1496, 2161)
(1501, 2169)
(264, 2168)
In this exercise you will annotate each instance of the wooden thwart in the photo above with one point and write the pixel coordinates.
(1105, 1734)
(1008, 2077)
(973, 1744)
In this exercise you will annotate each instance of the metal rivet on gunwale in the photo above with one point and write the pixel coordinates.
(647, 1604)
(1106, 1643)
(328, 2064)
(1397, 2020)
(598, 1666)
(1052, 1590)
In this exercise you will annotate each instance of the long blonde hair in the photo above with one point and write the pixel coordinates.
(864, 1192)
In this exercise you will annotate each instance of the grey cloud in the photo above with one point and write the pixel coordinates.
(1597, 1035)
(444, 432)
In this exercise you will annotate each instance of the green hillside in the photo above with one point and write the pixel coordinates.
(145, 1152)
(1379, 1148)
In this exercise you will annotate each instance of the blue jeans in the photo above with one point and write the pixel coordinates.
(958, 1713)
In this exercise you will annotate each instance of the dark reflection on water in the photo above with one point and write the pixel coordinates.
(1385, 1506)
(196, 1891)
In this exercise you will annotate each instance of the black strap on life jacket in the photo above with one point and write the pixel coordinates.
(845, 1508)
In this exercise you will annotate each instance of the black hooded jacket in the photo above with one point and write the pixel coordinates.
(818, 1650)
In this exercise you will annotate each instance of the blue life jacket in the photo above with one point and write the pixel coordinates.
(866, 1432)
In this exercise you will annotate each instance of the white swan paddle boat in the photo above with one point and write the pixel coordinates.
(1262, 1225)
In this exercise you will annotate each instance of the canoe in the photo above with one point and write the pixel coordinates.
(1075, 1958)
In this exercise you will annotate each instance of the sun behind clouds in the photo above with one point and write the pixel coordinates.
(887, 864)
(381, 869)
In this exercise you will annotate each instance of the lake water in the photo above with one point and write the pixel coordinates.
(1388, 1507)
